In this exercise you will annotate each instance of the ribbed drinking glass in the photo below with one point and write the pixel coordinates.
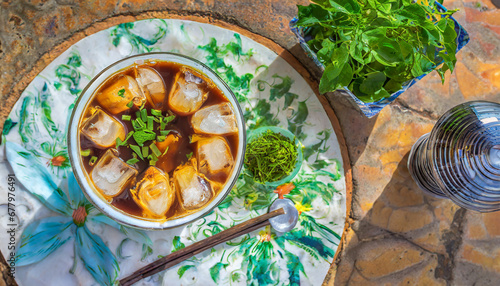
(460, 158)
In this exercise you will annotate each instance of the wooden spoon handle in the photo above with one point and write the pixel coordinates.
(200, 246)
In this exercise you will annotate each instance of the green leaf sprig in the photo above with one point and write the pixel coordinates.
(270, 157)
(374, 47)
(148, 129)
(121, 92)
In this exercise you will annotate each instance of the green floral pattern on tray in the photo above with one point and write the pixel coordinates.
(271, 93)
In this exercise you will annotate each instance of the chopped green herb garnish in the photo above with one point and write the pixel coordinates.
(121, 93)
(188, 156)
(132, 161)
(92, 160)
(165, 132)
(138, 125)
(119, 142)
(142, 106)
(150, 123)
(141, 122)
(166, 120)
(162, 124)
(156, 112)
(169, 118)
(196, 137)
(128, 136)
(165, 152)
(130, 104)
(270, 157)
(155, 150)
(153, 157)
(145, 151)
(152, 162)
(137, 150)
(85, 152)
(144, 135)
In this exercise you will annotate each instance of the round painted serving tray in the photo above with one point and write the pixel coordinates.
(53, 244)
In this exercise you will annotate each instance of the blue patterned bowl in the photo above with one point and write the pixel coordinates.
(371, 109)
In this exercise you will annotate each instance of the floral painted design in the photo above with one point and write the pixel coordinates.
(139, 43)
(44, 236)
(270, 92)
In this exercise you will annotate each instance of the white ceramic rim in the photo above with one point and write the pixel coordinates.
(94, 196)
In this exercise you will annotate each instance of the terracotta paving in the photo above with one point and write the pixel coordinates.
(396, 234)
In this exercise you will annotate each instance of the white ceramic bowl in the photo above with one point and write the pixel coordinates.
(94, 196)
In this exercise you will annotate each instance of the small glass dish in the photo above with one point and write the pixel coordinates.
(256, 132)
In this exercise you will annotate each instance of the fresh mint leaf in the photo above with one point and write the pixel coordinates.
(389, 51)
(413, 12)
(380, 94)
(343, 6)
(326, 52)
(343, 78)
(372, 83)
(375, 46)
(329, 81)
(356, 51)
(392, 86)
(312, 14)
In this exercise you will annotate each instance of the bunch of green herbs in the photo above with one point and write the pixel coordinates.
(270, 157)
(374, 47)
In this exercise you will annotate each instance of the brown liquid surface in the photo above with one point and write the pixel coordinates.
(181, 126)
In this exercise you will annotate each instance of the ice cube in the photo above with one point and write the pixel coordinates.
(119, 93)
(153, 193)
(111, 174)
(193, 189)
(188, 93)
(216, 119)
(214, 158)
(152, 86)
(192, 78)
(103, 129)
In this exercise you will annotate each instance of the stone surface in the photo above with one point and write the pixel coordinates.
(397, 235)
(384, 258)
